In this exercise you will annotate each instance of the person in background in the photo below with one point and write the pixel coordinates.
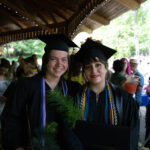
(100, 101)
(13, 68)
(30, 67)
(135, 72)
(74, 72)
(34, 56)
(147, 88)
(147, 118)
(118, 78)
(27, 110)
(121, 79)
(126, 70)
(4, 83)
(19, 69)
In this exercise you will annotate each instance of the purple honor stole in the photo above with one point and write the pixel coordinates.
(43, 107)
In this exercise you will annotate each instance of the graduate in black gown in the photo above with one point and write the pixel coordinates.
(26, 108)
(102, 102)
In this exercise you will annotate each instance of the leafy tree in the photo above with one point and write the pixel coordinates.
(27, 47)
(125, 31)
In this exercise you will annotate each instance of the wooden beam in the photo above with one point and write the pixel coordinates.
(64, 5)
(100, 19)
(131, 4)
(25, 14)
(85, 29)
(36, 9)
(2, 29)
(41, 12)
(47, 5)
(82, 28)
(16, 21)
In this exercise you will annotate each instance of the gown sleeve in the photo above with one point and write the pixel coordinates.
(14, 117)
(131, 118)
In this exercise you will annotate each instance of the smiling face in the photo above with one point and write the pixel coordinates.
(57, 64)
(133, 67)
(95, 72)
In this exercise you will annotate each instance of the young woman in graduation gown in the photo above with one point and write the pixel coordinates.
(100, 101)
(26, 109)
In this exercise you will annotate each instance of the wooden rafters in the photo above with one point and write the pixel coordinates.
(79, 16)
(99, 19)
(2, 29)
(132, 4)
(57, 16)
(47, 15)
(25, 14)
(37, 10)
(66, 5)
(47, 5)
(16, 21)
(83, 28)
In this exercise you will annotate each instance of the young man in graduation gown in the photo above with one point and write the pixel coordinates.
(26, 109)
(102, 103)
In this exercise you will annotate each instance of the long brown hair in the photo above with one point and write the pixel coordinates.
(45, 60)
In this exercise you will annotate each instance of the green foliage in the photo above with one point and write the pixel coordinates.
(49, 137)
(68, 111)
(52, 127)
(125, 31)
(27, 47)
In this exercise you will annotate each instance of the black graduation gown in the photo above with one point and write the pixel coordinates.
(127, 115)
(25, 104)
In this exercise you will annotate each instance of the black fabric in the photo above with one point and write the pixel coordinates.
(92, 49)
(128, 117)
(147, 125)
(27, 92)
(103, 136)
(57, 41)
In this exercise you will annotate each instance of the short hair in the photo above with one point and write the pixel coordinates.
(118, 65)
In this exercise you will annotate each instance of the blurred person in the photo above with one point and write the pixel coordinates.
(147, 118)
(4, 83)
(147, 88)
(118, 77)
(121, 79)
(34, 56)
(126, 69)
(29, 66)
(74, 72)
(135, 72)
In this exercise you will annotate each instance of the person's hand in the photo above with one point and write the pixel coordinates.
(132, 79)
(20, 148)
(3, 98)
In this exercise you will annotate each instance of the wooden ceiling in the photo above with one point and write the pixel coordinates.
(26, 19)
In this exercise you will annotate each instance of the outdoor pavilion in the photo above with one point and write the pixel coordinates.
(27, 19)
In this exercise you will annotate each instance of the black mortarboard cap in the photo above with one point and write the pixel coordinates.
(57, 41)
(91, 49)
